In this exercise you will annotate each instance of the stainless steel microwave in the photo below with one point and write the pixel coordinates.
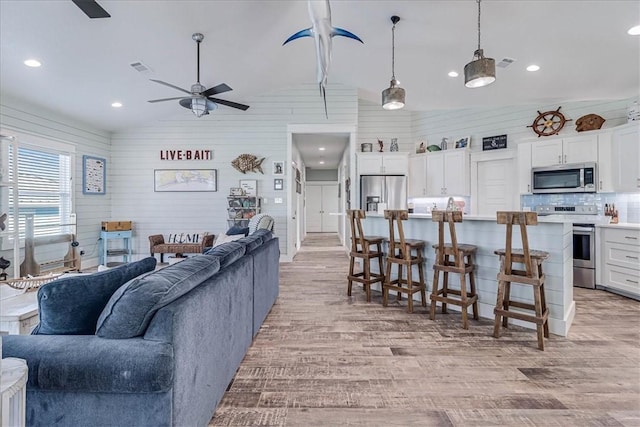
(570, 178)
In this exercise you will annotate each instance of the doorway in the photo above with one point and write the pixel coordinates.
(296, 223)
(322, 208)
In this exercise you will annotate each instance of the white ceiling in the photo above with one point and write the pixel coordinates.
(581, 46)
(326, 148)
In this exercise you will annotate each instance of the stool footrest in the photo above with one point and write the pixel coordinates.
(523, 316)
(451, 268)
(516, 277)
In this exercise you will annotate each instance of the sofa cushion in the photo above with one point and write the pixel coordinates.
(236, 229)
(227, 253)
(72, 305)
(251, 242)
(130, 309)
(264, 233)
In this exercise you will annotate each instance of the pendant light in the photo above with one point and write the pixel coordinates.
(481, 71)
(393, 96)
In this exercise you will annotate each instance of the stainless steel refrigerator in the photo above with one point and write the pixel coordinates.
(390, 190)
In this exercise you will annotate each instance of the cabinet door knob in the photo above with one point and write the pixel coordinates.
(565, 158)
(559, 159)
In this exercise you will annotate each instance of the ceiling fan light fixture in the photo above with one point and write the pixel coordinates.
(199, 106)
(393, 97)
(480, 71)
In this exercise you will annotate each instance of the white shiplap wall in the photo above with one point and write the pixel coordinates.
(261, 130)
(376, 123)
(90, 209)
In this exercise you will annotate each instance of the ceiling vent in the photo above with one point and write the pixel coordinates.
(140, 67)
(505, 62)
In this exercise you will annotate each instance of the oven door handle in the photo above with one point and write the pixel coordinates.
(583, 230)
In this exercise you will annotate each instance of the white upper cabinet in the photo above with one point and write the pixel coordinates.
(417, 175)
(560, 151)
(626, 158)
(383, 163)
(448, 173)
(524, 167)
(606, 176)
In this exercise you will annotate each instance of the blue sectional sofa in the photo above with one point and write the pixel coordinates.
(135, 347)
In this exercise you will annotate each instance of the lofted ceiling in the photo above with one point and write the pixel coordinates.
(583, 50)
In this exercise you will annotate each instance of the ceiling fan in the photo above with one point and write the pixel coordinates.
(200, 100)
(92, 9)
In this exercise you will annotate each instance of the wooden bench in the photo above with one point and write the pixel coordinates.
(157, 245)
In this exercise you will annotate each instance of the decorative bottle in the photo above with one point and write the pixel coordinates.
(633, 112)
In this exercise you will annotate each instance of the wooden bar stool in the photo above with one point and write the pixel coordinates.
(400, 253)
(463, 264)
(361, 248)
(531, 275)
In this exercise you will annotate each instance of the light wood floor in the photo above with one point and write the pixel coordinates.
(325, 359)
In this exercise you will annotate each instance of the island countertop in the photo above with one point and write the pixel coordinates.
(555, 237)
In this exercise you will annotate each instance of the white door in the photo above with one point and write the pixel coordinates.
(395, 163)
(494, 186)
(314, 208)
(546, 153)
(627, 158)
(322, 208)
(330, 208)
(580, 149)
(417, 176)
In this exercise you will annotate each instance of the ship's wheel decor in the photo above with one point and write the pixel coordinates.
(549, 123)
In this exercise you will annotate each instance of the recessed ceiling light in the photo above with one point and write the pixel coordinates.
(453, 74)
(321, 162)
(533, 67)
(321, 148)
(634, 31)
(116, 104)
(34, 63)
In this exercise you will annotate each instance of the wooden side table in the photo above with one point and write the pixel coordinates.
(19, 314)
(13, 389)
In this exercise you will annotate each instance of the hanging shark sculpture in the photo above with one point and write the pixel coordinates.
(322, 31)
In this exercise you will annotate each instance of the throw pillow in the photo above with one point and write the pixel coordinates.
(72, 305)
(131, 308)
(236, 229)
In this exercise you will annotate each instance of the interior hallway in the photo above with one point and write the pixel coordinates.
(325, 359)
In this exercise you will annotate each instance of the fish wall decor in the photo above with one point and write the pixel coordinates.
(248, 163)
(322, 32)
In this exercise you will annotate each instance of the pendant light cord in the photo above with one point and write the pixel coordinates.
(478, 24)
(393, 52)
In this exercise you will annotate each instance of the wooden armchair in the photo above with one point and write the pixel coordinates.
(157, 245)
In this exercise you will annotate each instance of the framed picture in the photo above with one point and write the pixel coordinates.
(250, 187)
(278, 168)
(185, 180)
(278, 184)
(463, 142)
(298, 187)
(298, 175)
(94, 175)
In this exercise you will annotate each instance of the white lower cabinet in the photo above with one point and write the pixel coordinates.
(620, 260)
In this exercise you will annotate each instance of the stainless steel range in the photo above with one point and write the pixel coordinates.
(584, 218)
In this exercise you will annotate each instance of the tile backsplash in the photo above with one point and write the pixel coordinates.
(628, 204)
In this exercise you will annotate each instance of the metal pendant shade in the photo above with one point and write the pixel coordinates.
(393, 97)
(481, 71)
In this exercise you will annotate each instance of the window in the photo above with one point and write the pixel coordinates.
(44, 190)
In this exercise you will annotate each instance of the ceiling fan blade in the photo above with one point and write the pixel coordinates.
(221, 88)
(170, 85)
(91, 8)
(166, 99)
(229, 103)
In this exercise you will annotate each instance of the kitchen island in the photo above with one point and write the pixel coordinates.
(550, 235)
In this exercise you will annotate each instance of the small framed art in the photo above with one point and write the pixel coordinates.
(250, 187)
(462, 142)
(94, 175)
(278, 168)
(278, 184)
